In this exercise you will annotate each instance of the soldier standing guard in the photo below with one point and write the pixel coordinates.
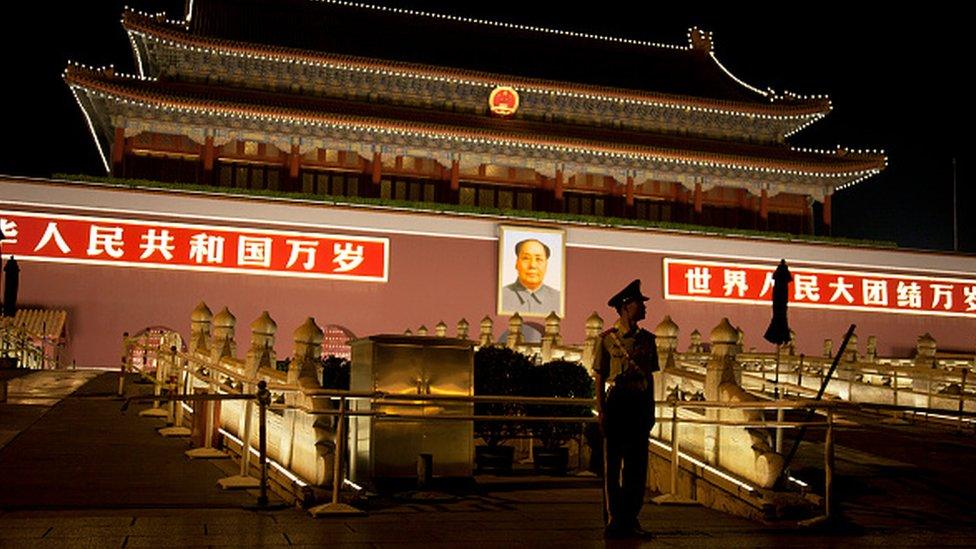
(625, 358)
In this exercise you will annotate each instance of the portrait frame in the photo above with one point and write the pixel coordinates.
(512, 298)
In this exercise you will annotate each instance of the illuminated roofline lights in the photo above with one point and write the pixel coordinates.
(352, 64)
(137, 52)
(91, 128)
(157, 16)
(739, 81)
(546, 30)
(770, 94)
(504, 25)
(349, 123)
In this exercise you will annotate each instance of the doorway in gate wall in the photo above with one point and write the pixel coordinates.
(144, 348)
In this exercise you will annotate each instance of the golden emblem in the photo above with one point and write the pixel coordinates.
(503, 101)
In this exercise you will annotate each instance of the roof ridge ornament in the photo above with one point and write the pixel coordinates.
(700, 40)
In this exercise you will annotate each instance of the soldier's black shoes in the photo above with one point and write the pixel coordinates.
(611, 532)
(638, 532)
(632, 532)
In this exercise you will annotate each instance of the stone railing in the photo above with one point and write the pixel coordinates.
(301, 438)
(746, 452)
(929, 379)
(301, 442)
(721, 370)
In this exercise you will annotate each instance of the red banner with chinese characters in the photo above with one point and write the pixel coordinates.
(696, 280)
(166, 245)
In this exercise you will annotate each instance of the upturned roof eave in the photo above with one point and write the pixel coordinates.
(825, 166)
(800, 109)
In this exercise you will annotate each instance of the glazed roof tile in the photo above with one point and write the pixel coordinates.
(302, 110)
(682, 76)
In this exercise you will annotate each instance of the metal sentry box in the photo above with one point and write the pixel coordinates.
(385, 447)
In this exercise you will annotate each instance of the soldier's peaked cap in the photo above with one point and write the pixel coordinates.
(631, 293)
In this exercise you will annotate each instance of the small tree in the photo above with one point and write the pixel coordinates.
(563, 379)
(499, 371)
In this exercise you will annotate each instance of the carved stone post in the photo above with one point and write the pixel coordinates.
(696, 343)
(462, 329)
(303, 371)
(851, 354)
(514, 331)
(308, 352)
(721, 366)
(201, 320)
(551, 338)
(747, 452)
(871, 353)
(441, 329)
(828, 348)
(223, 335)
(487, 335)
(261, 353)
(846, 366)
(925, 348)
(666, 336)
(720, 369)
(594, 325)
(666, 340)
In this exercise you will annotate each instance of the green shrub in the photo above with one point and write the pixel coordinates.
(499, 371)
(563, 379)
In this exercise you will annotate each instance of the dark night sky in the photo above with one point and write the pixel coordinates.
(895, 78)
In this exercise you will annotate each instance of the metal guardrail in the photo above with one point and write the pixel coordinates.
(181, 363)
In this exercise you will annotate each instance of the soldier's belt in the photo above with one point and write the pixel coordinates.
(629, 381)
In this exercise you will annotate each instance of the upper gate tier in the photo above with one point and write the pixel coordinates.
(116, 103)
(324, 49)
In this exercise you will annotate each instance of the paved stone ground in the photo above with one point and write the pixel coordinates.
(83, 453)
(81, 474)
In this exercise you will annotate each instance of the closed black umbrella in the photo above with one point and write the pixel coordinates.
(11, 282)
(778, 332)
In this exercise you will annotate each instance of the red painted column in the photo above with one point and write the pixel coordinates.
(294, 160)
(698, 198)
(118, 152)
(208, 160)
(455, 174)
(208, 154)
(827, 214)
(764, 205)
(629, 191)
(377, 167)
(557, 191)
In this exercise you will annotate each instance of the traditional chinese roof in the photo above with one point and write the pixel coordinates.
(345, 27)
(192, 109)
(690, 92)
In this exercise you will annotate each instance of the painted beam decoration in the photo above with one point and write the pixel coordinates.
(211, 248)
(698, 280)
